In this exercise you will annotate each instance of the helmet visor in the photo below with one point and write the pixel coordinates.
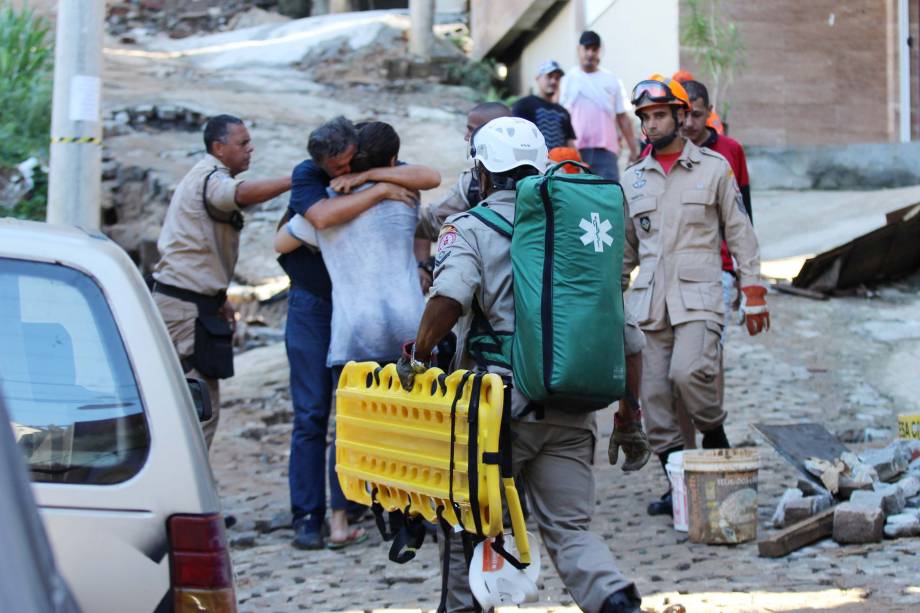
(653, 91)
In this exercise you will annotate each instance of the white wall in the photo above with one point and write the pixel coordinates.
(640, 37)
(557, 41)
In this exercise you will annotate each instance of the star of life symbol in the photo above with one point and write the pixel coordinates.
(597, 232)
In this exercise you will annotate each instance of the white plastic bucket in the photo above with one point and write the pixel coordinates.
(721, 495)
(675, 470)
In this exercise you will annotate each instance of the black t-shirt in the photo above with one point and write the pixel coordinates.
(551, 119)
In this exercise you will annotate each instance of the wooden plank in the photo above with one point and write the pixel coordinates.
(798, 535)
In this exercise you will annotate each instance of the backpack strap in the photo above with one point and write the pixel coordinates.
(233, 218)
(485, 345)
(473, 193)
(492, 219)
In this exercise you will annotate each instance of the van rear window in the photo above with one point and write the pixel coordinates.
(65, 377)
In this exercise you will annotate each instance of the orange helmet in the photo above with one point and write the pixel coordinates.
(565, 154)
(682, 76)
(658, 89)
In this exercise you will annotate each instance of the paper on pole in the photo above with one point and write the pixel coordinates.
(84, 98)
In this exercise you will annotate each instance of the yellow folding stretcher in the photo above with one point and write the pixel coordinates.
(435, 452)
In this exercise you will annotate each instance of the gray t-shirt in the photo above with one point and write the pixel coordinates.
(377, 300)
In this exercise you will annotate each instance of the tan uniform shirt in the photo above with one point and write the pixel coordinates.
(431, 217)
(674, 228)
(474, 261)
(196, 252)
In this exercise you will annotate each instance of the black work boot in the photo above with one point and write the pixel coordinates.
(715, 439)
(664, 505)
(626, 600)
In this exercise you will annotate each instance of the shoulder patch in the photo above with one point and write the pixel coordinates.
(447, 237)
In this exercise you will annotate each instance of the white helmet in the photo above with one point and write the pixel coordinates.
(495, 582)
(509, 142)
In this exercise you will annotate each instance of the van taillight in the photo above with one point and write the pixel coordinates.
(202, 577)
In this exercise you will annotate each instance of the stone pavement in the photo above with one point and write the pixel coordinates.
(822, 361)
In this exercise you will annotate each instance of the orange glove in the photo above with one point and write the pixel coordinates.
(754, 311)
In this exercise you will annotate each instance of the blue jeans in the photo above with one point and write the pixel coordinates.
(306, 336)
(603, 162)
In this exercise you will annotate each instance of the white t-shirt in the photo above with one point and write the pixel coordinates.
(593, 100)
(377, 300)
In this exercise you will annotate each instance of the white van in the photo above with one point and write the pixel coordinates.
(108, 427)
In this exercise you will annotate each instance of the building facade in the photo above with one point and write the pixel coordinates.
(822, 72)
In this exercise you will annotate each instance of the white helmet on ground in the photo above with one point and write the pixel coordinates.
(495, 582)
(506, 143)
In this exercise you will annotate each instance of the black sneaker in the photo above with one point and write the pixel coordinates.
(626, 600)
(306, 538)
(663, 506)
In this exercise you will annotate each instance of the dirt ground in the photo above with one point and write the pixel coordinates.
(849, 363)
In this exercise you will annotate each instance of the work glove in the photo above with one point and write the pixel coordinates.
(754, 311)
(407, 366)
(628, 434)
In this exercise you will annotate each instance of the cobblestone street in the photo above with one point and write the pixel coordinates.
(846, 381)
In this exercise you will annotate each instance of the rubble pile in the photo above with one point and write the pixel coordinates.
(134, 205)
(153, 117)
(130, 19)
(878, 491)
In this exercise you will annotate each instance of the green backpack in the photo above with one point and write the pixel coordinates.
(566, 351)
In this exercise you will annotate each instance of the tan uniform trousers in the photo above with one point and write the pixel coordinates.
(179, 317)
(556, 465)
(680, 368)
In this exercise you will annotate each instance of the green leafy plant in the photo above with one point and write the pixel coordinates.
(715, 44)
(26, 56)
(477, 75)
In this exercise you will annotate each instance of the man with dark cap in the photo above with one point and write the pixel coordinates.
(551, 119)
(596, 102)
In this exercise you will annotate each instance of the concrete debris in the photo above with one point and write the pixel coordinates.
(16, 182)
(914, 467)
(828, 472)
(244, 540)
(844, 475)
(893, 499)
(910, 485)
(280, 521)
(889, 461)
(162, 117)
(867, 499)
(913, 446)
(865, 435)
(779, 516)
(857, 523)
(803, 508)
(810, 488)
(901, 525)
(255, 17)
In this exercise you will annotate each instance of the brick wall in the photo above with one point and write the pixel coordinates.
(818, 73)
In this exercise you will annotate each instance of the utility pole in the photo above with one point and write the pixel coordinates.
(421, 36)
(74, 182)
